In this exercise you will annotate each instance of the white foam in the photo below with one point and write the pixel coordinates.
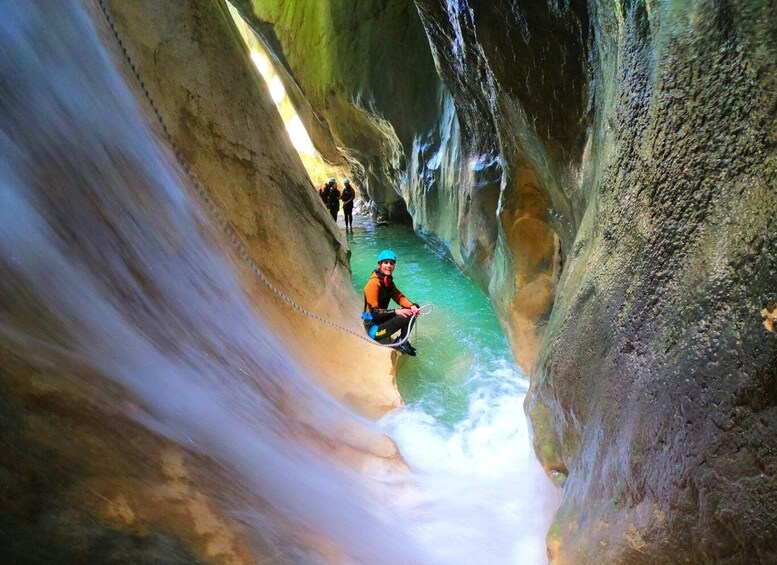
(481, 496)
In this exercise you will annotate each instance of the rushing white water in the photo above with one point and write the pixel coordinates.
(480, 479)
(109, 265)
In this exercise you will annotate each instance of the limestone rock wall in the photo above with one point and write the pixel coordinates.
(522, 101)
(654, 395)
(636, 147)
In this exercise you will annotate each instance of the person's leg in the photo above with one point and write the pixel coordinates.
(392, 325)
(349, 216)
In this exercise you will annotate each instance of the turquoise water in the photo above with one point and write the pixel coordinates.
(462, 350)
(462, 430)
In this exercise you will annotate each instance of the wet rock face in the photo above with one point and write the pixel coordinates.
(518, 78)
(655, 394)
(533, 53)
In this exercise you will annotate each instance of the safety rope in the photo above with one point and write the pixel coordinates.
(223, 223)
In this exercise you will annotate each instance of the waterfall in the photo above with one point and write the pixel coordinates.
(114, 278)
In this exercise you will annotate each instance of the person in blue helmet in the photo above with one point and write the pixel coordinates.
(380, 321)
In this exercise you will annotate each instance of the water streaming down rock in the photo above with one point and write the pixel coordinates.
(118, 289)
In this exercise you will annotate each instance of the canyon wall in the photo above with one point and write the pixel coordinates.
(654, 397)
(522, 101)
(614, 194)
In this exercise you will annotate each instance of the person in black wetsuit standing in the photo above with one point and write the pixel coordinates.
(333, 200)
(347, 197)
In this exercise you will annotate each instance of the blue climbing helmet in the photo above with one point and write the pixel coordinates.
(387, 255)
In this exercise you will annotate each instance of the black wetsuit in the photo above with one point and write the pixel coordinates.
(347, 198)
(334, 202)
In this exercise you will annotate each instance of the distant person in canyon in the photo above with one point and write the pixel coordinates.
(380, 322)
(333, 202)
(331, 197)
(323, 192)
(347, 197)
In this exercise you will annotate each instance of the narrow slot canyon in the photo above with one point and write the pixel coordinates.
(579, 196)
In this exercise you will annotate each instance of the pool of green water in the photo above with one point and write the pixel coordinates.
(462, 350)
